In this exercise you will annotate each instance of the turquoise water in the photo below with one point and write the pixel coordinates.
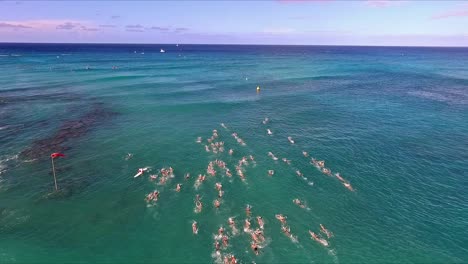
(392, 121)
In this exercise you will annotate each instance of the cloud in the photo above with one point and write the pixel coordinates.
(459, 13)
(115, 17)
(383, 3)
(53, 25)
(107, 26)
(68, 26)
(134, 30)
(180, 29)
(89, 29)
(160, 28)
(13, 26)
(134, 26)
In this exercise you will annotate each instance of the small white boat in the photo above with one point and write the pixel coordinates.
(162, 51)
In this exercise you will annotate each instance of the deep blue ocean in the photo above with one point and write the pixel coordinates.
(392, 121)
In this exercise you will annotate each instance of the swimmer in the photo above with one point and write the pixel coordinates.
(233, 259)
(162, 180)
(187, 176)
(199, 140)
(299, 173)
(216, 203)
(241, 174)
(194, 227)
(260, 222)
(291, 140)
(153, 177)
(247, 209)
(298, 202)
(281, 218)
(269, 132)
(220, 231)
(200, 178)
(265, 121)
(220, 193)
(251, 158)
(231, 221)
(254, 237)
(325, 231)
(129, 156)
(207, 148)
(318, 239)
(286, 230)
(198, 206)
(228, 173)
(246, 225)
(140, 172)
(197, 198)
(326, 172)
(258, 234)
(225, 240)
(217, 246)
(178, 187)
(223, 125)
(348, 186)
(271, 172)
(231, 151)
(218, 186)
(305, 154)
(149, 197)
(254, 247)
(287, 161)
(321, 163)
(338, 176)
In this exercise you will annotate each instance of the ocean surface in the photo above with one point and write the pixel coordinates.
(393, 121)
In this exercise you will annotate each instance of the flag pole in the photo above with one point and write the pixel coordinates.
(53, 171)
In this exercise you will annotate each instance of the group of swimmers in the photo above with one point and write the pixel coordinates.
(238, 139)
(257, 235)
(320, 165)
(243, 162)
(153, 197)
(285, 228)
(318, 238)
(214, 146)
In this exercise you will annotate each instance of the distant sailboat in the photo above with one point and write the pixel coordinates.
(162, 51)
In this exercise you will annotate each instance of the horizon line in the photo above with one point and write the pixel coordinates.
(231, 44)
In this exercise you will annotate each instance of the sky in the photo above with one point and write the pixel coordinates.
(289, 22)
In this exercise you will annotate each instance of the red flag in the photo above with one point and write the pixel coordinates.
(56, 155)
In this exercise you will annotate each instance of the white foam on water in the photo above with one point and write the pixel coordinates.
(4, 162)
